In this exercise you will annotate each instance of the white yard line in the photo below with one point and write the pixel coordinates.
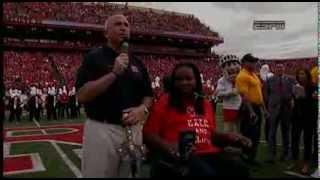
(296, 174)
(6, 149)
(64, 157)
(45, 140)
(69, 131)
(78, 152)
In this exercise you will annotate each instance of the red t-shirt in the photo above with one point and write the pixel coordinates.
(167, 122)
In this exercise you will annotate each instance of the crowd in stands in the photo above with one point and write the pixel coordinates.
(49, 43)
(140, 19)
(34, 67)
(162, 65)
(292, 64)
(29, 67)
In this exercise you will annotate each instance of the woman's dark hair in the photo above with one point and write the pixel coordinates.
(175, 99)
(166, 84)
(308, 75)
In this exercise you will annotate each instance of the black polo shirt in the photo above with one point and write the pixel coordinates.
(128, 90)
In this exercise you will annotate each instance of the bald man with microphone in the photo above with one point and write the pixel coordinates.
(115, 89)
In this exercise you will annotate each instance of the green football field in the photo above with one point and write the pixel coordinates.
(59, 154)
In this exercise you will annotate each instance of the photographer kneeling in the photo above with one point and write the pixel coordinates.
(180, 132)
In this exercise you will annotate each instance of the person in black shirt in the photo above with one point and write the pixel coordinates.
(51, 104)
(34, 104)
(116, 92)
(72, 103)
(303, 120)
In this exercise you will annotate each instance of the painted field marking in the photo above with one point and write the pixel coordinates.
(64, 157)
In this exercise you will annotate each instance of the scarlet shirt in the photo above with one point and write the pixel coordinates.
(167, 122)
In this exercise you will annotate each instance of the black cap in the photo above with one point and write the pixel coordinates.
(249, 58)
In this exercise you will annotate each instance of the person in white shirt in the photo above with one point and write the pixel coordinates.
(14, 104)
(6, 102)
(34, 104)
(51, 103)
(24, 101)
(202, 79)
(72, 103)
(44, 99)
(228, 93)
(265, 72)
(157, 80)
(40, 103)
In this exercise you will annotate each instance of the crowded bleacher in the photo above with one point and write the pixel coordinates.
(35, 67)
(142, 20)
(40, 71)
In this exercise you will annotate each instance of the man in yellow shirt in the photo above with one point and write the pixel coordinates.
(253, 108)
(314, 75)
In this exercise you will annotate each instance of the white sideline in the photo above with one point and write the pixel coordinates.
(6, 149)
(64, 157)
(78, 152)
(296, 174)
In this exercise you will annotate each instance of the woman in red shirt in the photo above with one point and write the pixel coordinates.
(180, 110)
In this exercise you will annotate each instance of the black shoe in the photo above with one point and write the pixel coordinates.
(285, 157)
(270, 161)
(293, 166)
(254, 163)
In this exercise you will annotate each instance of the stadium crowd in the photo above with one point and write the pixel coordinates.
(140, 19)
(36, 43)
(34, 68)
(42, 84)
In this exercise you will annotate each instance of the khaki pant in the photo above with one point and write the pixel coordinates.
(100, 142)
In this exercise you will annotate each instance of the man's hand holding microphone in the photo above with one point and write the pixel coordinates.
(121, 64)
(122, 61)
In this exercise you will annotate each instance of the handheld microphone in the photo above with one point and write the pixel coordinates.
(124, 46)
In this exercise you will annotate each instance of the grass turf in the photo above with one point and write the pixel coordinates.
(57, 168)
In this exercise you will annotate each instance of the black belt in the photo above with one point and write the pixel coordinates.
(256, 105)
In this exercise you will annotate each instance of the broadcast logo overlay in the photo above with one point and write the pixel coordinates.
(269, 25)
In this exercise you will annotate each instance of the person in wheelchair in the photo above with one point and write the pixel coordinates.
(181, 136)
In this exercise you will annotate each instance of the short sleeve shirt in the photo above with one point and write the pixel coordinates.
(250, 85)
(128, 90)
(166, 122)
